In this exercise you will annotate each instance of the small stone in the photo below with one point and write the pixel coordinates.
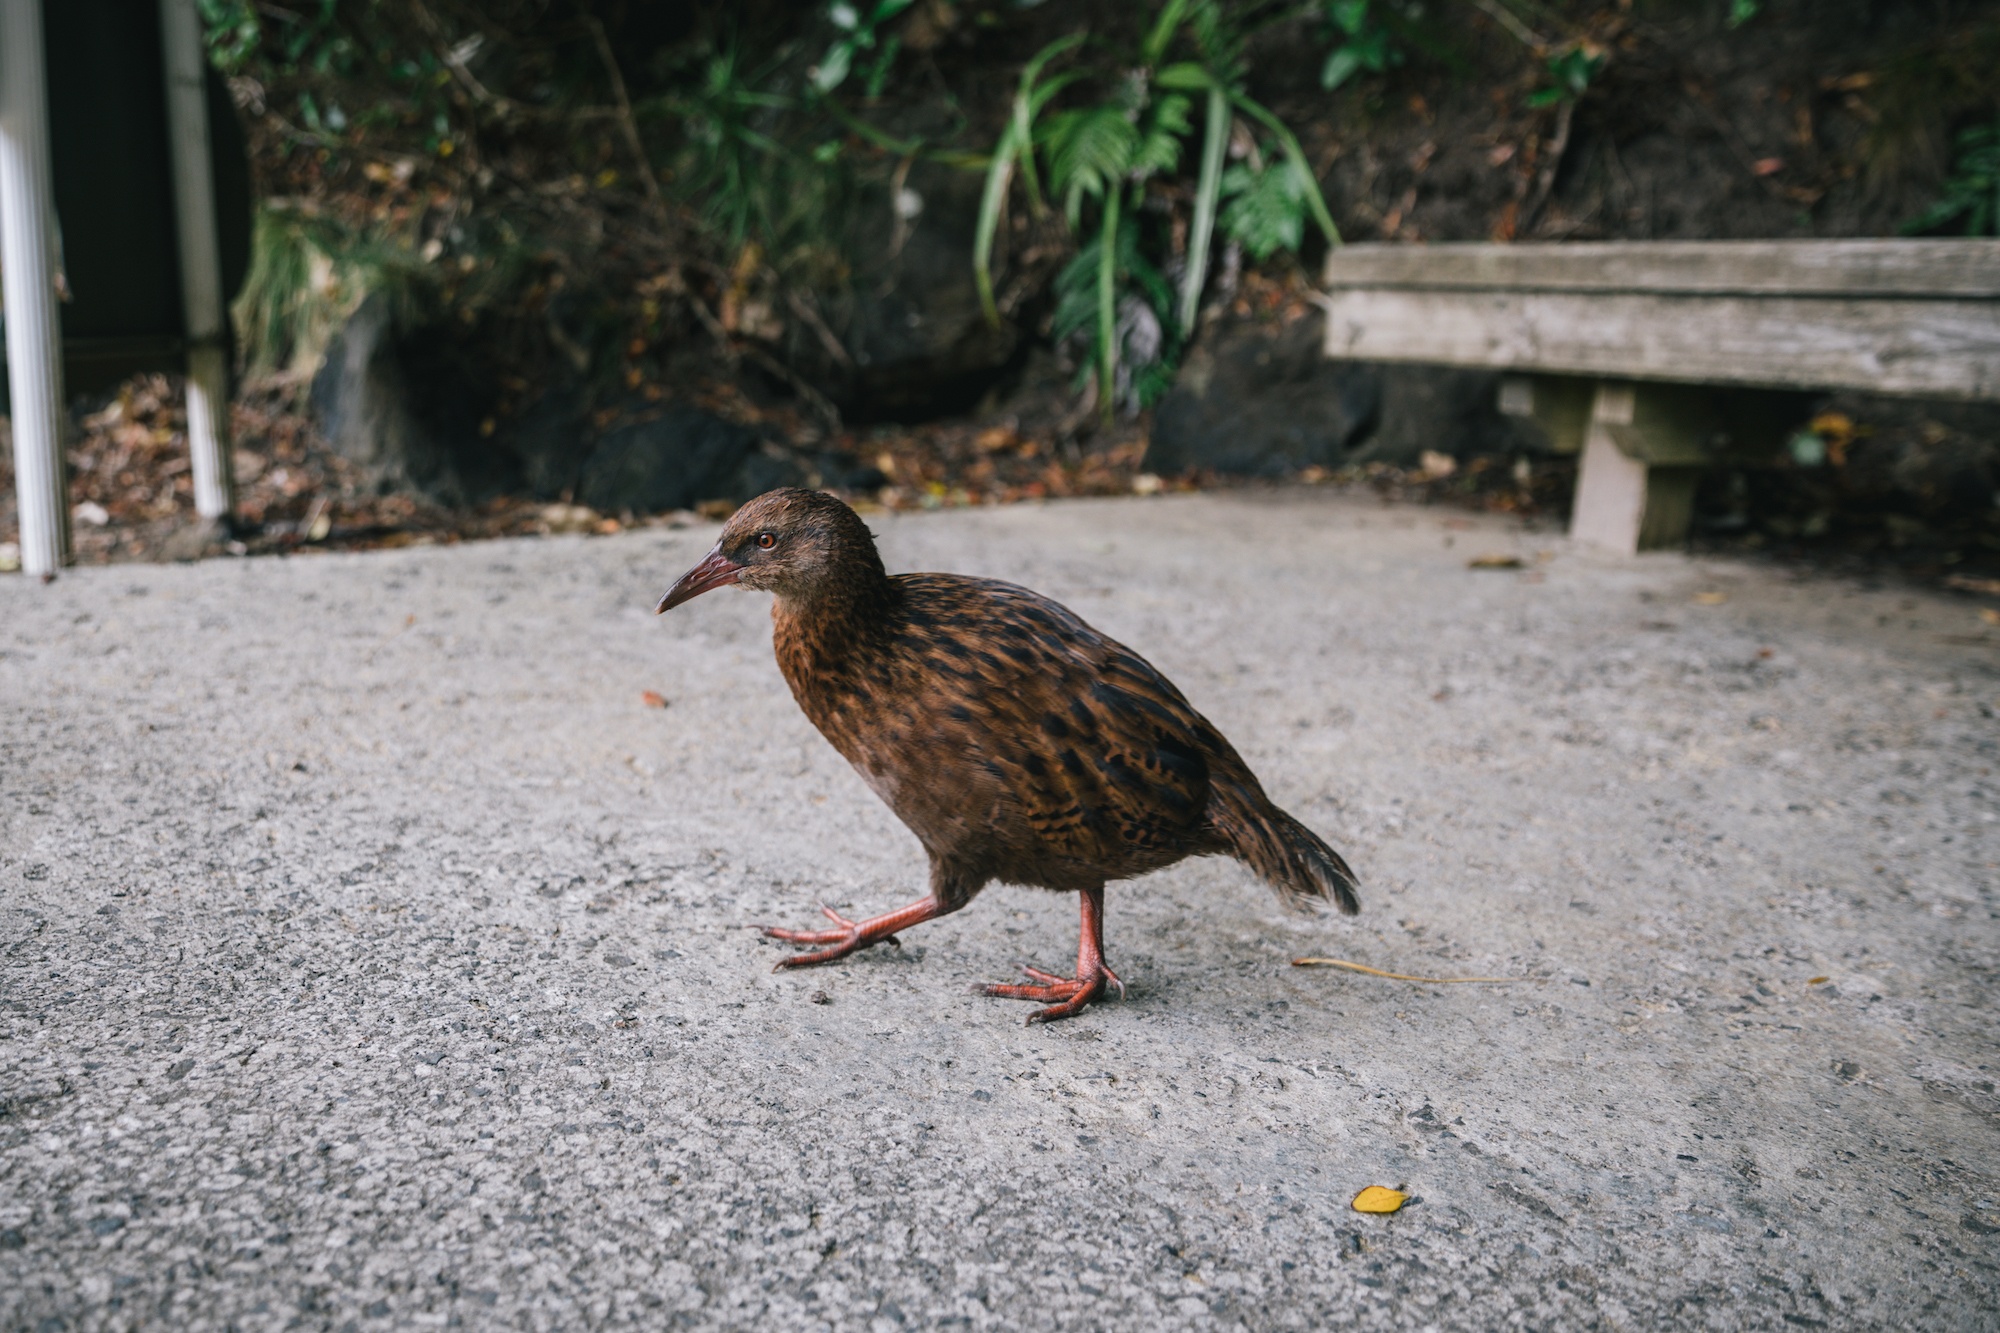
(821, 997)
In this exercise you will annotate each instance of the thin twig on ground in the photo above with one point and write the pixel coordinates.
(1399, 976)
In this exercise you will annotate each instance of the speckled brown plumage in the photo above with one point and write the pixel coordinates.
(1016, 742)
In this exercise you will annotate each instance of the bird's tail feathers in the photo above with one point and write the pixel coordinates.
(1284, 853)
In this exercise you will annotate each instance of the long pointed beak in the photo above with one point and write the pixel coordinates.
(716, 570)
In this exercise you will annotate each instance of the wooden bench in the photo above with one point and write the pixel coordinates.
(1638, 354)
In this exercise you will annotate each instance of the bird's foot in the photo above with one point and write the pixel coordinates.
(1065, 996)
(850, 936)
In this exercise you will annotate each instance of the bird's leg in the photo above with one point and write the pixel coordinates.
(1066, 996)
(852, 935)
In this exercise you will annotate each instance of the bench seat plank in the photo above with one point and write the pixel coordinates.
(1920, 268)
(1897, 345)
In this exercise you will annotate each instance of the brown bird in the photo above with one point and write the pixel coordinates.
(1018, 743)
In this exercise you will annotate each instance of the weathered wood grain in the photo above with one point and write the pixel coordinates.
(1875, 268)
(1901, 345)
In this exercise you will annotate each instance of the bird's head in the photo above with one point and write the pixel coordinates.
(796, 543)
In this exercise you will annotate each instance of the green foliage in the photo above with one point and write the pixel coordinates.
(1572, 69)
(1100, 154)
(310, 37)
(730, 167)
(1364, 44)
(1972, 191)
(307, 275)
(1267, 207)
(1742, 11)
(1129, 137)
(751, 149)
(1143, 329)
(859, 34)
(321, 43)
(233, 32)
(1016, 147)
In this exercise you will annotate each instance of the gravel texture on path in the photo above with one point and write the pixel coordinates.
(372, 955)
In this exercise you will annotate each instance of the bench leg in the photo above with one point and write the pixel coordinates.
(1623, 504)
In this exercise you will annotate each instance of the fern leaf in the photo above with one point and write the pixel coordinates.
(1089, 149)
(1267, 209)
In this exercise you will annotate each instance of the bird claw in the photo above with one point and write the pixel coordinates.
(848, 930)
(1065, 996)
(850, 936)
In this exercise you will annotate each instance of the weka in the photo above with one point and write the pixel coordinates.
(1017, 742)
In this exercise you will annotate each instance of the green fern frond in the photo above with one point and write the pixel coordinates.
(1160, 149)
(1267, 209)
(1090, 149)
(1218, 40)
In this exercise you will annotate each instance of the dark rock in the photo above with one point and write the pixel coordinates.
(551, 439)
(1444, 409)
(414, 409)
(1911, 473)
(1938, 460)
(911, 323)
(1253, 400)
(676, 460)
(361, 398)
(418, 409)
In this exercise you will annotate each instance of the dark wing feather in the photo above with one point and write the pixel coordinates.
(1102, 756)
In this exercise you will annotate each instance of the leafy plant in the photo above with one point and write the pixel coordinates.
(1742, 11)
(1365, 44)
(1972, 191)
(1573, 69)
(1098, 158)
(310, 38)
(307, 275)
(1267, 206)
(1143, 331)
(1016, 148)
(740, 166)
(859, 34)
(1098, 153)
(233, 32)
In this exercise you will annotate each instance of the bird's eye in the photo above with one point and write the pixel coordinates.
(766, 540)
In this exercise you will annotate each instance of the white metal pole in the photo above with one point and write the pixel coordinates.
(201, 258)
(27, 266)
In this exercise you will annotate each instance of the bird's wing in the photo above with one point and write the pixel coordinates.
(1100, 751)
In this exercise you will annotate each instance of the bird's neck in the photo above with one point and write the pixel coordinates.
(836, 617)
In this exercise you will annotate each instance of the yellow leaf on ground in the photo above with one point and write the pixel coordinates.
(1710, 598)
(1379, 1199)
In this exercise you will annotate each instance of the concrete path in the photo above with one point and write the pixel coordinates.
(371, 956)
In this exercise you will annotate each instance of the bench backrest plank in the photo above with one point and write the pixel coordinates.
(1901, 317)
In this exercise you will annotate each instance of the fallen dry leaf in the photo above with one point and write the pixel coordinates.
(652, 699)
(1710, 598)
(1817, 981)
(1967, 583)
(1494, 562)
(1989, 615)
(1379, 1199)
(1436, 466)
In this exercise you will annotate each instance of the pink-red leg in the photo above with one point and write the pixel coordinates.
(1066, 996)
(851, 935)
